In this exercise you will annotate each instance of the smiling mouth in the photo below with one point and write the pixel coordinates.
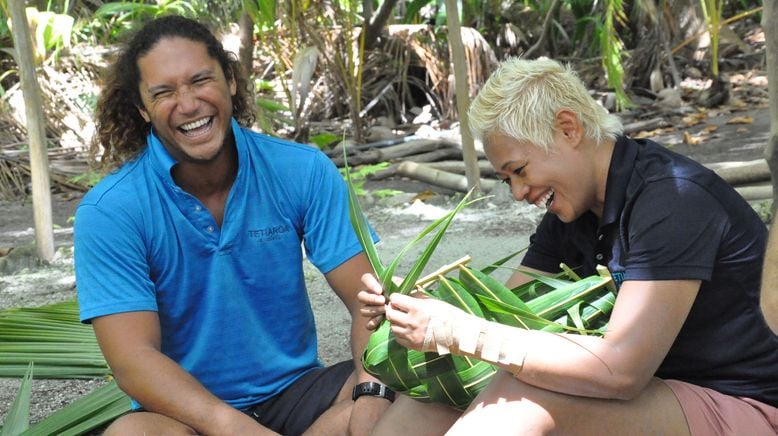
(196, 127)
(545, 200)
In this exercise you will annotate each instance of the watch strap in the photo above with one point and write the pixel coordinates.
(372, 389)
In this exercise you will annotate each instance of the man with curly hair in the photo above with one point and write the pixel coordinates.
(189, 257)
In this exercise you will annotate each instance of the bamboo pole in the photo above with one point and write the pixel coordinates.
(33, 104)
(462, 95)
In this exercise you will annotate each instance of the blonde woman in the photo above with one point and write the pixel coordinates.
(687, 349)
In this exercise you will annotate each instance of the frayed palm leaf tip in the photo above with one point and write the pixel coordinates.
(565, 303)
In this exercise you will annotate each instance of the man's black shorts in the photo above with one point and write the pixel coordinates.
(292, 411)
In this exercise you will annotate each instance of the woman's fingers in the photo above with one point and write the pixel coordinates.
(408, 319)
(404, 303)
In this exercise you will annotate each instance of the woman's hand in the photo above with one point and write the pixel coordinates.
(373, 301)
(411, 318)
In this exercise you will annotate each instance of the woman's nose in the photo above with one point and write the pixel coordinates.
(519, 190)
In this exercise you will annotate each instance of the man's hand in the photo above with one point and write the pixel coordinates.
(234, 422)
(372, 300)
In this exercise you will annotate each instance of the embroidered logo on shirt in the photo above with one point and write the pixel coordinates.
(269, 233)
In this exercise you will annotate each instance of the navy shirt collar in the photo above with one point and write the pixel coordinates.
(619, 173)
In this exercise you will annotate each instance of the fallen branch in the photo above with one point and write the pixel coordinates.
(438, 155)
(743, 173)
(443, 179)
(458, 167)
(753, 193)
(639, 126)
(393, 152)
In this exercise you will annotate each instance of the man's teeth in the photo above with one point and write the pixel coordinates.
(545, 199)
(195, 124)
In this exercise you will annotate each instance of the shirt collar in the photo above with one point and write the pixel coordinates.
(619, 173)
(162, 161)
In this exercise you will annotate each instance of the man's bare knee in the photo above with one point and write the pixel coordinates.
(149, 424)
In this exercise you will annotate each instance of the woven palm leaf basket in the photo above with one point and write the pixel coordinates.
(564, 303)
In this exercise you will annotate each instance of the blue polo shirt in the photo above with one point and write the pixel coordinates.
(232, 301)
(666, 217)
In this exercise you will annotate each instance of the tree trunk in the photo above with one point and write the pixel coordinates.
(36, 129)
(769, 293)
(769, 23)
(375, 24)
(246, 33)
(547, 22)
(462, 95)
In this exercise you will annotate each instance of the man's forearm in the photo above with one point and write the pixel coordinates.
(360, 335)
(160, 385)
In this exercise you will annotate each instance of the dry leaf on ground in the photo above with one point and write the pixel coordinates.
(741, 120)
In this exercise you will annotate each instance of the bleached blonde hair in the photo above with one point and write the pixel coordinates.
(522, 97)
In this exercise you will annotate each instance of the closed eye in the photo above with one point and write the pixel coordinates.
(201, 79)
(519, 170)
(161, 94)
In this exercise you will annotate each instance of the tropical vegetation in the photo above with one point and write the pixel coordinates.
(326, 71)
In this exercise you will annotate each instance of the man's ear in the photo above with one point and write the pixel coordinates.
(569, 126)
(144, 114)
(233, 87)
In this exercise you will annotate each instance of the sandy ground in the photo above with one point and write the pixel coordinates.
(486, 232)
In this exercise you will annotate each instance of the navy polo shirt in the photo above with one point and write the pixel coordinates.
(666, 217)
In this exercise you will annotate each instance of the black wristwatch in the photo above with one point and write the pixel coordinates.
(373, 389)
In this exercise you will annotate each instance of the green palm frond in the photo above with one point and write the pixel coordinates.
(60, 347)
(53, 338)
(386, 273)
(18, 418)
(102, 405)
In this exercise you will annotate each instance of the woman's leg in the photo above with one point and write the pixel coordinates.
(510, 407)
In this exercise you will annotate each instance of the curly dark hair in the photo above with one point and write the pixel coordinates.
(120, 129)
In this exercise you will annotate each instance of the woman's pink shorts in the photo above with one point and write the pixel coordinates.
(709, 412)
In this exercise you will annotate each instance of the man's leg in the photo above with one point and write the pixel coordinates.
(334, 421)
(411, 417)
(510, 407)
(147, 423)
(319, 401)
